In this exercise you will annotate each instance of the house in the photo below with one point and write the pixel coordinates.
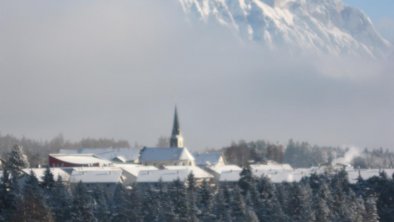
(225, 173)
(76, 160)
(271, 167)
(134, 174)
(198, 173)
(132, 171)
(105, 179)
(125, 155)
(96, 175)
(209, 159)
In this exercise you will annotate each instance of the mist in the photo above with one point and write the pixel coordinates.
(117, 69)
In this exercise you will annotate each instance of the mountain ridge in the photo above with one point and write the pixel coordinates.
(324, 26)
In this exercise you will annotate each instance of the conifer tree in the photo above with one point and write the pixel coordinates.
(191, 198)
(34, 205)
(238, 206)
(205, 202)
(121, 209)
(101, 206)
(8, 197)
(371, 211)
(60, 201)
(222, 205)
(246, 180)
(16, 161)
(178, 194)
(48, 180)
(82, 205)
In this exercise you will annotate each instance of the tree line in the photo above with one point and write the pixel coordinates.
(37, 151)
(303, 154)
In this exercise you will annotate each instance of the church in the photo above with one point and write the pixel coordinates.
(175, 155)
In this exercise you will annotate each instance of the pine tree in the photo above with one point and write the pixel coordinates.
(9, 197)
(178, 196)
(238, 206)
(48, 179)
(16, 161)
(321, 201)
(101, 206)
(222, 205)
(205, 202)
(300, 203)
(246, 180)
(191, 198)
(82, 205)
(371, 211)
(268, 207)
(60, 201)
(34, 205)
(120, 205)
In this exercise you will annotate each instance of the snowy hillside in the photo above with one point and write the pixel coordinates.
(327, 26)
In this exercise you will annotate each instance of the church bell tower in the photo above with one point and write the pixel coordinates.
(176, 139)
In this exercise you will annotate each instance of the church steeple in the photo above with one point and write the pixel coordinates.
(176, 139)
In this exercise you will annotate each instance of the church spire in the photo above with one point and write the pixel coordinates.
(176, 139)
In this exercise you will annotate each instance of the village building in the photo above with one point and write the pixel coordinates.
(120, 155)
(198, 173)
(225, 173)
(131, 172)
(76, 160)
(209, 159)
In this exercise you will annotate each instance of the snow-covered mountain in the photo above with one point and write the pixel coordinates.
(327, 26)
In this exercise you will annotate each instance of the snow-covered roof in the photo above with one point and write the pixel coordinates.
(197, 171)
(130, 154)
(227, 173)
(56, 172)
(96, 175)
(271, 166)
(134, 169)
(80, 159)
(163, 154)
(207, 158)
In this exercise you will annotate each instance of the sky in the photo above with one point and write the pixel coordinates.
(117, 70)
(381, 13)
(375, 9)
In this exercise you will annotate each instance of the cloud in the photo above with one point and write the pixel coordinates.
(116, 69)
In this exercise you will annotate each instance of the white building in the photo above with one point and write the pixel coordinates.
(209, 159)
(225, 173)
(126, 154)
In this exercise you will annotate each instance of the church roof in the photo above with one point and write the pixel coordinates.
(163, 154)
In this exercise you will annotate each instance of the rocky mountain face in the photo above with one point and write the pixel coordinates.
(323, 26)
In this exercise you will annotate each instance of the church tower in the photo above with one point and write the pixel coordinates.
(176, 139)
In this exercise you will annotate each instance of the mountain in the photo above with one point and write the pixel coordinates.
(323, 26)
